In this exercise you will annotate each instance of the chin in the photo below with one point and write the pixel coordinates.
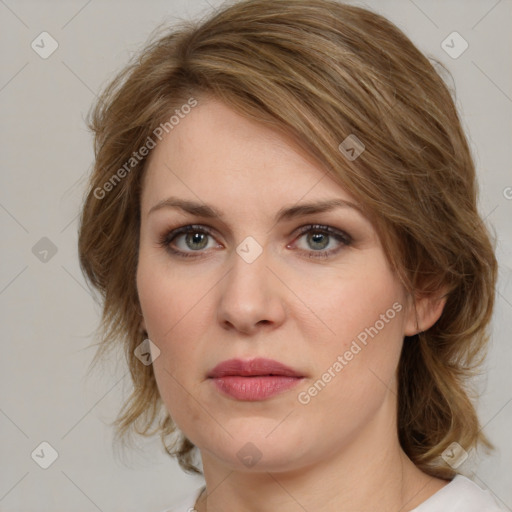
(253, 449)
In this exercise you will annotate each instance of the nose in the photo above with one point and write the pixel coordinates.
(251, 296)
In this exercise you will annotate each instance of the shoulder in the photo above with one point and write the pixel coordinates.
(460, 495)
(187, 503)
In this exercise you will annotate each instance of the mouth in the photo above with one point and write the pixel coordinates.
(253, 380)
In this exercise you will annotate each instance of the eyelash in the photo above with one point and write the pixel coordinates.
(168, 237)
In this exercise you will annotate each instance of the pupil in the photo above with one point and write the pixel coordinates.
(197, 237)
(317, 237)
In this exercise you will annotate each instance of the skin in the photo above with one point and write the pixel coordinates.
(339, 451)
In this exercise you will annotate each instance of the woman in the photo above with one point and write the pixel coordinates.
(282, 221)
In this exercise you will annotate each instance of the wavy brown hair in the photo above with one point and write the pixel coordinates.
(319, 70)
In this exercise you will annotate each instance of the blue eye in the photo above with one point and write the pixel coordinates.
(196, 237)
(196, 240)
(319, 237)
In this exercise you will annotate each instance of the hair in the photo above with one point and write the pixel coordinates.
(321, 71)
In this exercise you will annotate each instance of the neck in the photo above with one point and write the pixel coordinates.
(370, 473)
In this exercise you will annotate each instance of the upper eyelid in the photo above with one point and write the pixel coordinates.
(208, 227)
(351, 212)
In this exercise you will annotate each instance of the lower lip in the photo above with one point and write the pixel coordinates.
(254, 388)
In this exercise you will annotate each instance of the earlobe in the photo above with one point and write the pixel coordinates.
(424, 312)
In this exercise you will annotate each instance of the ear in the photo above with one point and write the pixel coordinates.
(424, 311)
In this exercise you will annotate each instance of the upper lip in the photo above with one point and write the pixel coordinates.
(252, 367)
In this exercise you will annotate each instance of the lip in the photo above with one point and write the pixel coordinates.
(253, 380)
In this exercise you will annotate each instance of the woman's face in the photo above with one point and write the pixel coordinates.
(253, 283)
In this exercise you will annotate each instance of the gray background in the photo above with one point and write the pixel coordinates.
(48, 315)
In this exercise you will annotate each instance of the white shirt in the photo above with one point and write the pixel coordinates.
(460, 495)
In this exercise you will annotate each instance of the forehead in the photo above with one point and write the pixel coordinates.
(216, 155)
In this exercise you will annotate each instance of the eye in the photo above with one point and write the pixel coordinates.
(195, 239)
(319, 237)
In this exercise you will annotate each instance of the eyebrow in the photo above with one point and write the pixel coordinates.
(285, 213)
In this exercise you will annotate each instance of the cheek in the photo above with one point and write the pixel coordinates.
(164, 298)
(170, 308)
(359, 299)
(167, 307)
(356, 360)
